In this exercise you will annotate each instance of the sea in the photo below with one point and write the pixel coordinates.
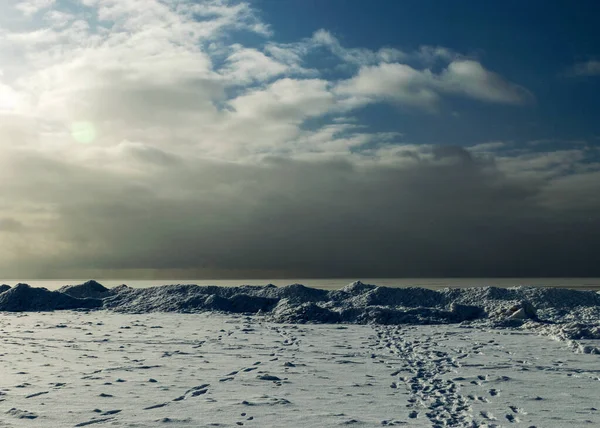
(331, 284)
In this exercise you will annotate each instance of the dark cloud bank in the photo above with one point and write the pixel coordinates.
(449, 213)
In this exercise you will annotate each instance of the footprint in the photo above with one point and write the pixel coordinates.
(487, 415)
(93, 421)
(244, 414)
(21, 414)
(195, 392)
(36, 394)
(156, 406)
(268, 377)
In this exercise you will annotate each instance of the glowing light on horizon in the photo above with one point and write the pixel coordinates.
(83, 132)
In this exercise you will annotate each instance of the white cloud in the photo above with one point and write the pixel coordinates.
(169, 73)
(247, 65)
(31, 7)
(471, 79)
(58, 19)
(404, 84)
(286, 100)
(286, 55)
(393, 82)
(356, 56)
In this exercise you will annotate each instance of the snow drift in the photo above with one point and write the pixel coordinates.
(22, 297)
(88, 290)
(562, 313)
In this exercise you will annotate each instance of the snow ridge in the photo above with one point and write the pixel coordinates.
(88, 290)
(23, 297)
(561, 313)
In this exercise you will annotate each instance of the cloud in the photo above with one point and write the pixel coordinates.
(11, 225)
(357, 56)
(31, 7)
(469, 78)
(446, 212)
(404, 84)
(247, 65)
(585, 69)
(58, 19)
(433, 54)
(489, 147)
(9, 98)
(323, 40)
(182, 136)
(287, 100)
(393, 82)
(171, 73)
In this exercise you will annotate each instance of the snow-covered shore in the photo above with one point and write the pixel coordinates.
(184, 355)
(563, 314)
(101, 368)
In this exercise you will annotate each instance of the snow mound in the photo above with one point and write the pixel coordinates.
(288, 312)
(406, 297)
(466, 312)
(567, 315)
(88, 290)
(23, 297)
(541, 298)
(190, 298)
(295, 293)
(357, 287)
(577, 335)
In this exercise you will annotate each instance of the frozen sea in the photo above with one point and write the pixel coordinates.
(329, 283)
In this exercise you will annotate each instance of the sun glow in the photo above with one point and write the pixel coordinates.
(83, 132)
(9, 100)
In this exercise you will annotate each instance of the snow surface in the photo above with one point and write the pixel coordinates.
(100, 368)
(364, 355)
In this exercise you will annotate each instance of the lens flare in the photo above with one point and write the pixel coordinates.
(83, 132)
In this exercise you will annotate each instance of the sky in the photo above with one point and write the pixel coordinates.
(299, 138)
